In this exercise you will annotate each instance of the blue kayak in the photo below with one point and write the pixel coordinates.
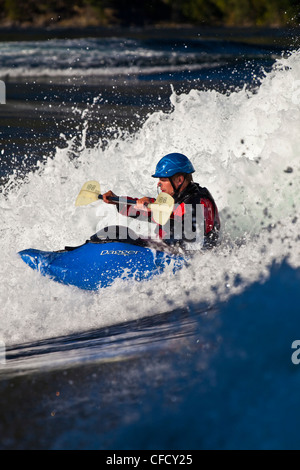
(97, 264)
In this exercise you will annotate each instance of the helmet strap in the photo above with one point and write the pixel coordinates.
(176, 190)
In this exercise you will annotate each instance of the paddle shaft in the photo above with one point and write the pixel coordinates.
(161, 209)
(125, 200)
(132, 202)
(117, 199)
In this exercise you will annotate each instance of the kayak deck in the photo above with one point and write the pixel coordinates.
(96, 265)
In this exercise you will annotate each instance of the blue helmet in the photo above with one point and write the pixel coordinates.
(172, 164)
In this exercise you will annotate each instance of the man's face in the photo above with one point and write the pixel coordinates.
(165, 186)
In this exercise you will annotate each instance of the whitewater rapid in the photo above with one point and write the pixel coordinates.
(245, 148)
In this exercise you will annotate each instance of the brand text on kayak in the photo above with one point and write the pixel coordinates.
(118, 252)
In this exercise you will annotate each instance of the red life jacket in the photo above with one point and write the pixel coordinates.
(191, 196)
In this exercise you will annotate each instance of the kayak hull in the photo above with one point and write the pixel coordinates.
(97, 265)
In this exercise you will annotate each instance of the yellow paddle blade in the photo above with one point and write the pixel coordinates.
(89, 193)
(162, 208)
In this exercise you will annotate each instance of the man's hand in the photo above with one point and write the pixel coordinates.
(106, 197)
(142, 204)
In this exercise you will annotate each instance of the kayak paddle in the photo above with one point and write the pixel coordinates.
(161, 209)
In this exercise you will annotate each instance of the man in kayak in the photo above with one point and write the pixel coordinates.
(174, 172)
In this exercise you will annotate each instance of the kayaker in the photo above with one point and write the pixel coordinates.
(174, 172)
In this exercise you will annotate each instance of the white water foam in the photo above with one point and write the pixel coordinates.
(245, 148)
